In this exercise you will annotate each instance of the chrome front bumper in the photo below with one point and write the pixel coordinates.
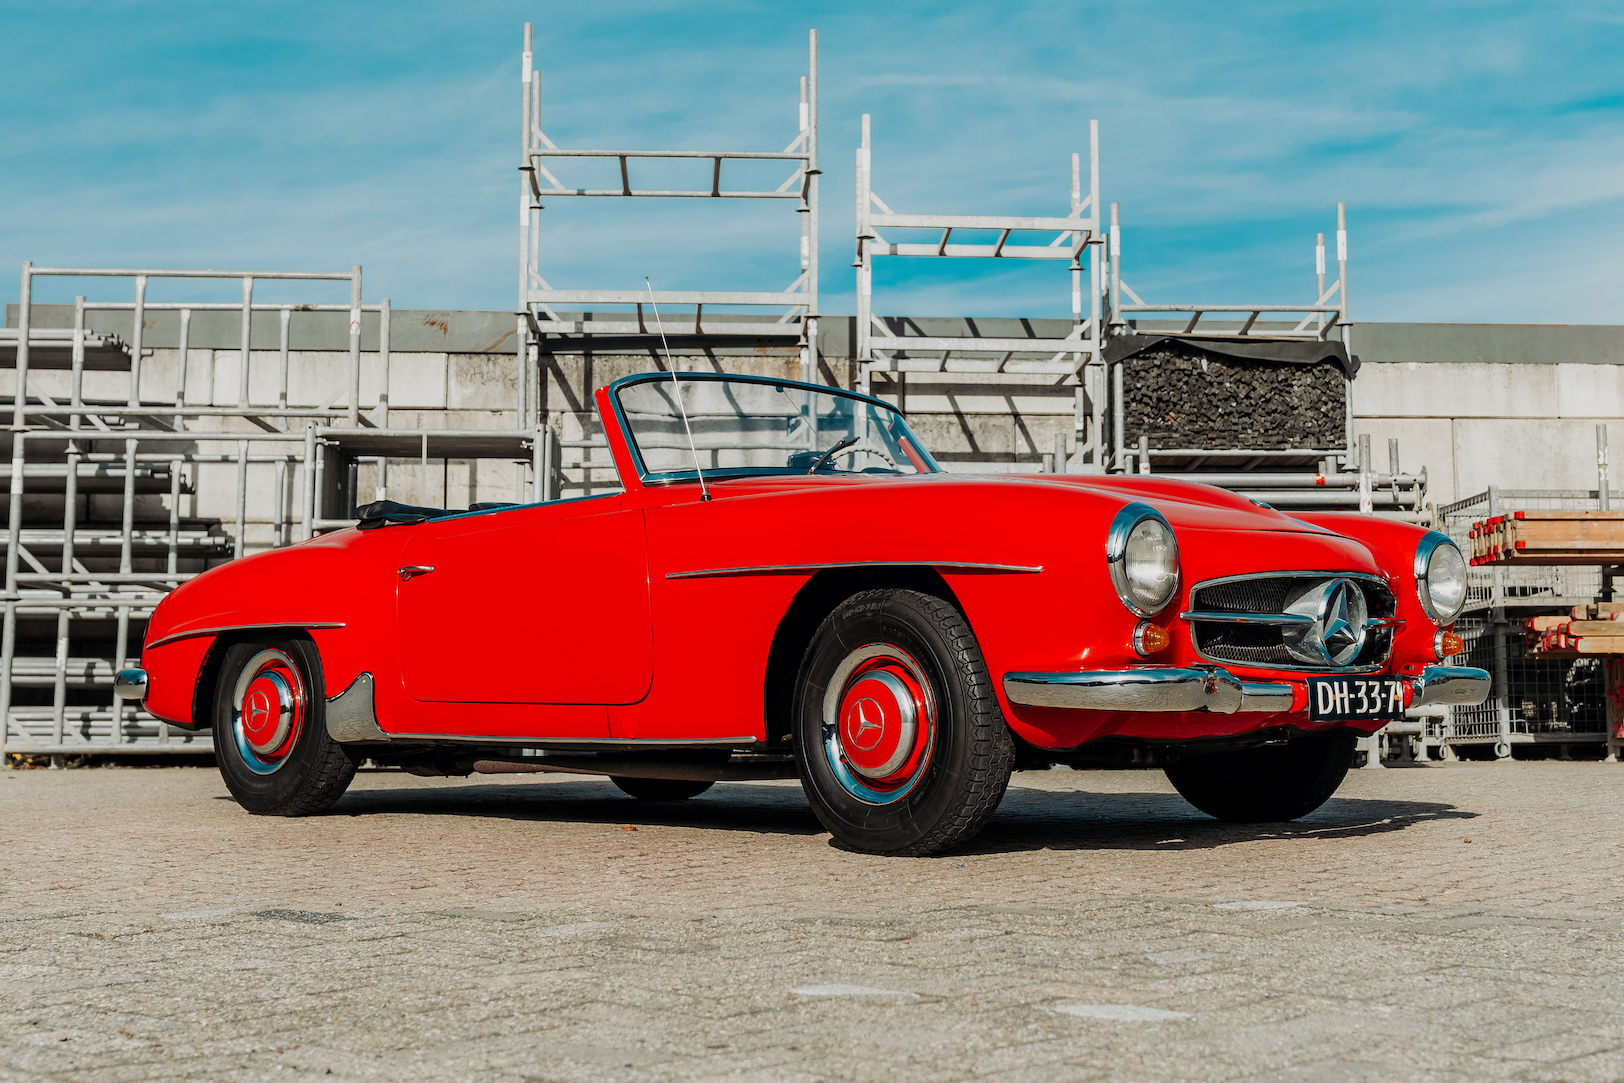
(1211, 688)
(1451, 686)
(130, 684)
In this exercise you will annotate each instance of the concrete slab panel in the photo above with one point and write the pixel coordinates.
(320, 376)
(1531, 454)
(1418, 389)
(488, 381)
(417, 381)
(1590, 390)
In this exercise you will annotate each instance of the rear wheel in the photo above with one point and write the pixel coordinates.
(270, 729)
(660, 789)
(900, 743)
(1268, 784)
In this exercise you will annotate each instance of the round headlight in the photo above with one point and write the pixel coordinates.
(1440, 577)
(1144, 559)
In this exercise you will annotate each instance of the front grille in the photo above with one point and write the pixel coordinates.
(1260, 644)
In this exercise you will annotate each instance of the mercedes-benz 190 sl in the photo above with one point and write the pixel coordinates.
(786, 584)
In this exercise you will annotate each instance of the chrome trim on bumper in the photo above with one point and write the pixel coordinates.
(1212, 689)
(130, 684)
(1451, 686)
(351, 717)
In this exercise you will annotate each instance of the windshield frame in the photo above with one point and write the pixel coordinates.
(669, 476)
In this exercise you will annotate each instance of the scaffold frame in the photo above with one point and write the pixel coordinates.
(540, 317)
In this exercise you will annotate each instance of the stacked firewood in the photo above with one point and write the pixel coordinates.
(1549, 537)
(1181, 396)
(1589, 629)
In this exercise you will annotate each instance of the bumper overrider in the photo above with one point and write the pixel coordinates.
(1214, 689)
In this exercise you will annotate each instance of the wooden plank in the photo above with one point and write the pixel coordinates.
(1574, 534)
(1595, 628)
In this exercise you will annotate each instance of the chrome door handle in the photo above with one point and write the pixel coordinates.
(414, 570)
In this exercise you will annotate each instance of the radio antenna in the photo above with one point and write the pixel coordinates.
(704, 490)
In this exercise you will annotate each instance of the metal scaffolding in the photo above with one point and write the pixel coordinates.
(893, 345)
(99, 477)
(546, 329)
(1321, 320)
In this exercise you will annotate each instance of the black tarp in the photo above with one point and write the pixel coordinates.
(1292, 351)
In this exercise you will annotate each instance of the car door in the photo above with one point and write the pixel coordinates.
(544, 604)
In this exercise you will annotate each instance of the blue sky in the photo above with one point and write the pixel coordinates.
(1479, 146)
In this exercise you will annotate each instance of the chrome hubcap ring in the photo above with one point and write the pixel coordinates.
(267, 710)
(879, 723)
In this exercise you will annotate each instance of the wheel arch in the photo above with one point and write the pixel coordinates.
(208, 675)
(816, 599)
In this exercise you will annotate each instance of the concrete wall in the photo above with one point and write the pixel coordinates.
(1480, 405)
(1510, 405)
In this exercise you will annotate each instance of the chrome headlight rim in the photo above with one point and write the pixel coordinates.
(1116, 552)
(1430, 543)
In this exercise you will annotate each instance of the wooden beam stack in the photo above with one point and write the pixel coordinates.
(1589, 629)
(1549, 537)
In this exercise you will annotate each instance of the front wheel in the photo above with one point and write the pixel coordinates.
(899, 740)
(270, 729)
(1267, 784)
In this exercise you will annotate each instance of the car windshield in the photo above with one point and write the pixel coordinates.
(759, 427)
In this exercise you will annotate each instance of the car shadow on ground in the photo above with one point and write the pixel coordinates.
(1049, 820)
(770, 810)
(1028, 818)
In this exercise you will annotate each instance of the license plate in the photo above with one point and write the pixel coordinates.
(1355, 699)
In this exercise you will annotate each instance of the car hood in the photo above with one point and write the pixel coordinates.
(1185, 504)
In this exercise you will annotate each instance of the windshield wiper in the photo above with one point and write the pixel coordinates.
(831, 453)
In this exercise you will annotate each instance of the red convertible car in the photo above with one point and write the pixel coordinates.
(787, 585)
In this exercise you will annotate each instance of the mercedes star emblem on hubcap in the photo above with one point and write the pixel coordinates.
(259, 710)
(866, 724)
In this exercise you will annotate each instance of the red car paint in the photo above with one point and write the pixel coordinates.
(583, 618)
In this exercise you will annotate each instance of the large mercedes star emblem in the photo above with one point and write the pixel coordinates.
(1341, 623)
(1333, 633)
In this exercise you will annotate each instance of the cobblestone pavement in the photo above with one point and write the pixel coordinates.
(1448, 923)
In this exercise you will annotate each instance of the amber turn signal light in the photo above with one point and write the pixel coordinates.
(1448, 643)
(1149, 639)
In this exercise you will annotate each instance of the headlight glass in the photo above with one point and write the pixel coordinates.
(1144, 559)
(1440, 578)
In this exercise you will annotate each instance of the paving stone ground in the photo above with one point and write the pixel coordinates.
(1461, 922)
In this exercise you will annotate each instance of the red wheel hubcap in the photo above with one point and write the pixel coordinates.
(269, 705)
(884, 720)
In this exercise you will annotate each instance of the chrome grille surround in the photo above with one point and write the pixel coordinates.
(1241, 619)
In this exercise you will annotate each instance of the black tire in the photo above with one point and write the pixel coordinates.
(307, 774)
(660, 789)
(963, 758)
(1268, 784)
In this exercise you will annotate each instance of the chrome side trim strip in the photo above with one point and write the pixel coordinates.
(791, 569)
(1454, 686)
(1215, 690)
(582, 743)
(195, 632)
(351, 717)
